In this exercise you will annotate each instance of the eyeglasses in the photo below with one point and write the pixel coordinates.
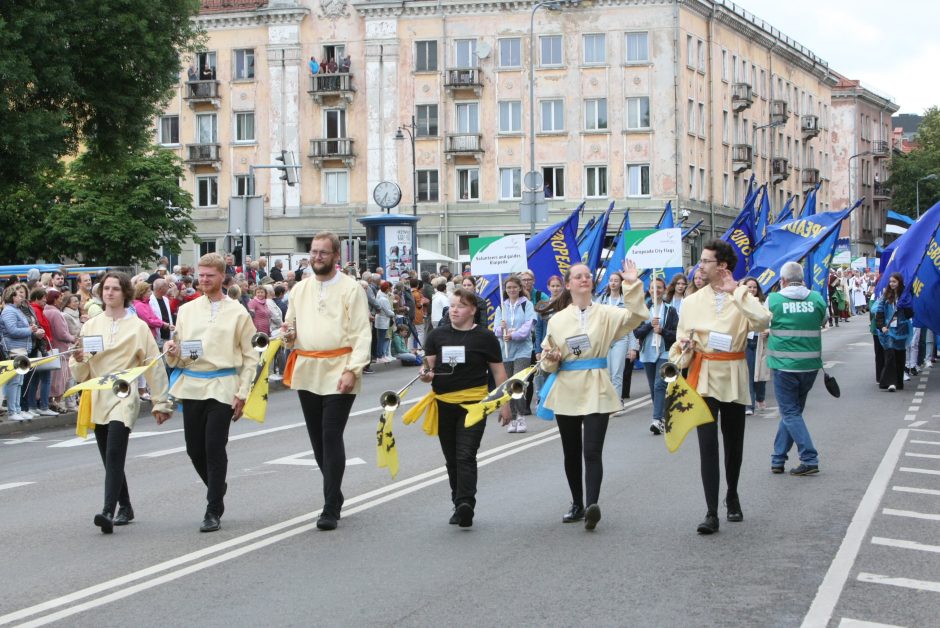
(707, 261)
(321, 253)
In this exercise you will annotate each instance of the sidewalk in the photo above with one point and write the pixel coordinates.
(8, 427)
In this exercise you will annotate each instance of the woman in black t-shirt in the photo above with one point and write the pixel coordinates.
(461, 356)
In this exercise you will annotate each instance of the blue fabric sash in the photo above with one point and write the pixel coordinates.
(586, 364)
(175, 375)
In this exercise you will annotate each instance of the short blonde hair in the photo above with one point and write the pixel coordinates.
(141, 289)
(234, 292)
(213, 260)
(332, 237)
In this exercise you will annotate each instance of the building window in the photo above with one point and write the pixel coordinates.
(245, 126)
(691, 116)
(724, 127)
(638, 50)
(701, 119)
(510, 52)
(554, 181)
(468, 117)
(206, 247)
(334, 122)
(595, 114)
(244, 64)
(465, 53)
(724, 65)
(689, 51)
(468, 184)
(169, 130)
(595, 181)
(553, 115)
(692, 182)
(428, 191)
(701, 183)
(205, 65)
(244, 185)
(333, 52)
(426, 56)
(510, 116)
(336, 187)
(638, 112)
(207, 191)
(701, 55)
(207, 128)
(638, 180)
(510, 184)
(551, 50)
(426, 120)
(595, 49)
(725, 192)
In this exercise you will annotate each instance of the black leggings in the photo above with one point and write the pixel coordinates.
(326, 417)
(459, 445)
(732, 434)
(592, 448)
(206, 423)
(112, 444)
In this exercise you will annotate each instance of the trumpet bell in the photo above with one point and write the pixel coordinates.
(389, 400)
(21, 364)
(260, 341)
(669, 372)
(516, 388)
(121, 389)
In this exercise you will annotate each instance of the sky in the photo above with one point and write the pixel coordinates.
(892, 47)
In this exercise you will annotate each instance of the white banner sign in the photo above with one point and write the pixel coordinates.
(661, 248)
(501, 257)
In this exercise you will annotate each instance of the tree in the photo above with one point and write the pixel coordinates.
(907, 169)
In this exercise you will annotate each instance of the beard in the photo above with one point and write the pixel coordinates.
(322, 269)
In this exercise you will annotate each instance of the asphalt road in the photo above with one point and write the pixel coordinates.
(856, 543)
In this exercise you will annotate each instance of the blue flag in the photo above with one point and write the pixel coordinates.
(909, 250)
(615, 261)
(667, 220)
(550, 252)
(809, 209)
(586, 230)
(792, 241)
(686, 231)
(786, 213)
(593, 245)
(740, 235)
(816, 267)
(925, 288)
(763, 216)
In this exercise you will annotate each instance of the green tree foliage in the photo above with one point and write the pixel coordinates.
(907, 169)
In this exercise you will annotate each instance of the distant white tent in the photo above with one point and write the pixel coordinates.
(431, 257)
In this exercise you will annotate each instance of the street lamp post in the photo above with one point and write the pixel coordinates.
(411, 129)
(853, 221)
(930, 177)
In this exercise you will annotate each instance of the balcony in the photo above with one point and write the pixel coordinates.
(881, 191)
(779, 169)
(464, 144)
(810, 178)
(331, 85)
(203, 155)
(742, 96)
(810, 126)
(742, 157)
(202, 92)
(463, 78)
(879, 149)
(779, 111)
(332, 149)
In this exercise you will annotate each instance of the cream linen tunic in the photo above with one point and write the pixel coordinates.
(127, 343)
(329, 315)
(740, 313)
(589, 392)
(226, 343)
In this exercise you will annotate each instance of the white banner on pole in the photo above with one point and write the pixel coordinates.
(505, 256)
(661, 248)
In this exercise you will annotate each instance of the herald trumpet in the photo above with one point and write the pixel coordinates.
(391, 399)
(260, 341)
(516, 388)
(23, 365)
(121, 388)
(669, 371)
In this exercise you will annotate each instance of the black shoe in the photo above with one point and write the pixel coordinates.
(211, 523)
(326, 521)
(124, 516)
(710, 525)
(464, 514)
(805, 469)
(776, 470)
(914, 372)
(655, 429)
(575, 513)
(368, 370)
(591, 516)
(734, 509)
(454, 519)
(105, 521)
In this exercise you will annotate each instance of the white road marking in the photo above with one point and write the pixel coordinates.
(4, 487)
(857, 623)
(917, 470)
(907, 583)
(366, 500)
(921, 387)
(917, 400)
(926, 442)
(910, 417)
(913, 409)
(912, 545)
(910, 513)
(829, 365)
(859, 344)
(832, 585)
(20, 441)
(933, 456)
(918, 423)
(920, 392)
(78, 441)
(911, 489)
(304, 459)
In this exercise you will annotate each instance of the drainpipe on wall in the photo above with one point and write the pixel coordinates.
(710, 139)
(771, 130)
(675, 92)
(443, 187)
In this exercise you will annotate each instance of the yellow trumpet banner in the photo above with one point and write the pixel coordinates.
(684, 409)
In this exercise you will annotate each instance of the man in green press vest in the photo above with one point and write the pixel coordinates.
(794, 351)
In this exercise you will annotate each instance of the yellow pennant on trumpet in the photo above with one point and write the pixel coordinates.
(256, 405)
(684, 409)
(514, 387)
(386, 450)
(8, 370)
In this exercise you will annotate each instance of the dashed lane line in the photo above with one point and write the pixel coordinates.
(856, 623)
(911, 514)
(913, 489)
(919, 470)
(933, 456)
(907, 583)
(902, 544)
(10, 485)
(926, 442)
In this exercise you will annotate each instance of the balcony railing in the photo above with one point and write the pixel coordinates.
(337, 84)
(809, 124)
(881, 191)
(202, 154)
(779, 111)
(463, 144)
(202, 91)
(879, 148)
(326, 148)
(742, 96)
(463, 78)
(810, 178)
(741, 157)
(779, 169)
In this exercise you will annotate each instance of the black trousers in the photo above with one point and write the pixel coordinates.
(459, 445)
(206, 423)
(892, 373)
(732, 434)
(879, 359)
(590, 446)
(112, 445)
(326, 417)
(627, 379)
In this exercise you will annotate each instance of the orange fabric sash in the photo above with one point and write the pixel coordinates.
(330, 353)
(695, 367)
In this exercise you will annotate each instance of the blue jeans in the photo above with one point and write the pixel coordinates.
(657, 387)
(12, 390)
(791, 389)
(383, 343)
(758, 389)
(616, 361)
(37, 379)
(408, 359)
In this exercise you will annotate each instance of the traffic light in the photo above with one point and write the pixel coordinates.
(289, 169)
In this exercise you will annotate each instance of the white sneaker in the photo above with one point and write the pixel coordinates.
(513, 426)
(892, 388)
(907, 377)
(22, 416)
(748, 412)
(275, 378)
(48, 412)
(521, 426)
(29, 414)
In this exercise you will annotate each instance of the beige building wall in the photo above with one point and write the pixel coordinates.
(625, 55)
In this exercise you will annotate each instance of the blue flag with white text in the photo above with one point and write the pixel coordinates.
(909, 250)
(816, 269)
(925, 287)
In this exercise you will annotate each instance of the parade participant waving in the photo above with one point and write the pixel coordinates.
(712, 336)
(215, 365)
(327, 325)
(513, 324)
(123, 341)
(460, 357)
(579, 393)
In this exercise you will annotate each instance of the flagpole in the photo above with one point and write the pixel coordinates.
(655, 286)
(610, 251)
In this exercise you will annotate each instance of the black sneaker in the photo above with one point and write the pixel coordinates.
(655, 428)
(734, 509)
(776, 470)
(464, 514)
(326, 522)
(710, 525)
(454, 519)
(368, 370)
(805, 469)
